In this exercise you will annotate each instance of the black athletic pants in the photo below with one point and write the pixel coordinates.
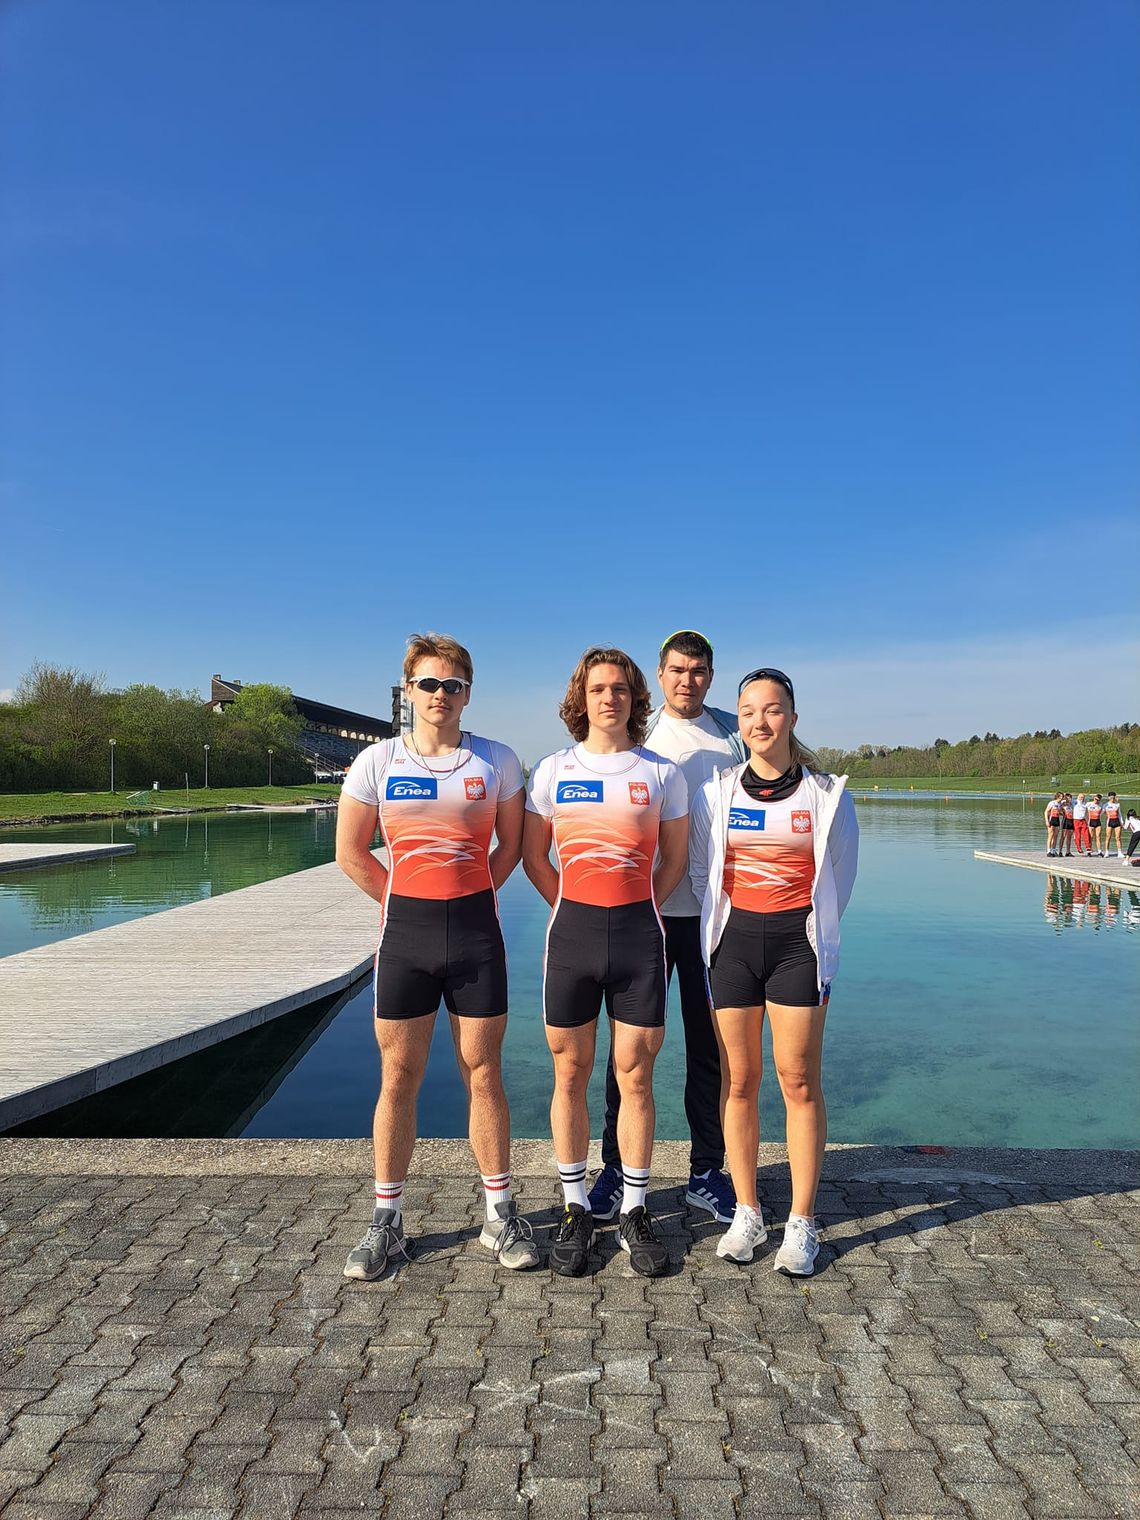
(702, 1055)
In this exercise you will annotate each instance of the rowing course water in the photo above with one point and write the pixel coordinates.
(975, 1004)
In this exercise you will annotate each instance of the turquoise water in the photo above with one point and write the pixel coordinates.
(976, 1004)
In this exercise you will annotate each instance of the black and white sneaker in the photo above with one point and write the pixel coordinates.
(570, 1250)
(646, 1253)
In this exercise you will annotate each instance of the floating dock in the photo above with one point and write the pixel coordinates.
(23, 857)
(83, 1014)
(1117, 873)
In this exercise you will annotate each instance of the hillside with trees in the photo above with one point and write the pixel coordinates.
(56, 735)
(1089, 752)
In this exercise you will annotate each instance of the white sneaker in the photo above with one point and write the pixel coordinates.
(797, 1255)
(743, 1235)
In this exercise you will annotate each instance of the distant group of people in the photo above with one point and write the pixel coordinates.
(683, 838)
(1075, 824)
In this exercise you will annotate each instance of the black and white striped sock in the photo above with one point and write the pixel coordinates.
(572, 1175)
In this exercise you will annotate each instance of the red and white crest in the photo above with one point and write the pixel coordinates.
(475, 787)
(639, 793)
(801, 822)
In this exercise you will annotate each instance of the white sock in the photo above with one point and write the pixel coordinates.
(573, 1179)
(496, 1190)
(636, 1180)
(390, 1195)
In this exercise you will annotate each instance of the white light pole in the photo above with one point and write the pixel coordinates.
(269, 752)
(206, 749)
(112, 744)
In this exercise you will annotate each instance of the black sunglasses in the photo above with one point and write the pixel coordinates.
(453, 685)
(767, 673)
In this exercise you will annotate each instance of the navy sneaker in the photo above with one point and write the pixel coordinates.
(715, 1193)
(606, 1194)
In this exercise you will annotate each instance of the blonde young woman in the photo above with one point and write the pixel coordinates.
(773, 853)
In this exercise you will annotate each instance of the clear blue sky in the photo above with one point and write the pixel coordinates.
(811, 326)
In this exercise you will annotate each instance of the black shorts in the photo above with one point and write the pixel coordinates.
(1068, 823)
(431, 950)
(765, 957)
(613, 953)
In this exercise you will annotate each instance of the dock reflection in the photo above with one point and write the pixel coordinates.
(213, 1093)
(1071, 903)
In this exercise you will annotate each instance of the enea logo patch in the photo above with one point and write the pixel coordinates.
(801, 823)
(475, 787)
(578, 791)
(409, 789)
(639, 793)
(746, 818)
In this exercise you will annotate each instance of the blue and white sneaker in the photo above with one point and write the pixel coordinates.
(714, 1192)
(607, 1192)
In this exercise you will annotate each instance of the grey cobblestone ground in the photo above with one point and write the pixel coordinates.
(177, 1341)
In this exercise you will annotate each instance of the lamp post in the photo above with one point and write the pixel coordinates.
(269, 752)
(111, 742)
(206, 750)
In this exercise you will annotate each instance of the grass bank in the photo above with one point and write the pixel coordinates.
(65, 807)
(1124, 785)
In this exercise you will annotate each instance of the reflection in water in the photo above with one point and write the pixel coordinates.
(1075, 904)
(215, 1092)
(178, 860)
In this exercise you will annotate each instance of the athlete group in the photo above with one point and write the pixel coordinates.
(668, 838)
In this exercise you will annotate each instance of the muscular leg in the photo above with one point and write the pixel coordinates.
(573, 1053)
(740, 1031)
(404, 1046)
(797, 1049)
(634, 1052)
(478, 1051)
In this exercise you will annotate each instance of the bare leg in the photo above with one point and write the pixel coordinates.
(404, 1046)
(634, 1052)
(740, 1032)
(478, 1051)
(573, 1052)
(797, 1049)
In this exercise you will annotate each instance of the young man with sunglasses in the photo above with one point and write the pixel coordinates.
(440, 796)
(702, 741)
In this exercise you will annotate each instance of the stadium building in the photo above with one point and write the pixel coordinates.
(332, 736)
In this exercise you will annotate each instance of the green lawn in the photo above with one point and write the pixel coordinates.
(28, 807)
(1123, 785)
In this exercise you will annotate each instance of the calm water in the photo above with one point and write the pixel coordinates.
(976, 1003)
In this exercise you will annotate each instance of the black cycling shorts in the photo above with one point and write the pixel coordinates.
(432, 949)
(613, 953)
(765, 957)
(1067, 824)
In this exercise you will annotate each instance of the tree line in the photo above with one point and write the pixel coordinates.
(56, 735)
(1048, 752)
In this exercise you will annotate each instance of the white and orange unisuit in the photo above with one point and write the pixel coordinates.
(605, 938)
(439, 926)
(769, 863)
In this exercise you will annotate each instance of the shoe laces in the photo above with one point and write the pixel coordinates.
(747, 1217)
(639, 1225)
(572, 1224)
(799, 1233)
(514, 1229)
(383, 1237)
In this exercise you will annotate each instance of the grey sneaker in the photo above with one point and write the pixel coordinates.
(383, 1240)
(797, 1255)
(510, 1237)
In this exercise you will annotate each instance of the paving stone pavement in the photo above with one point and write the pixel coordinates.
(177, 1341)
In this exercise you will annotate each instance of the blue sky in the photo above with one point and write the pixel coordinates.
(811, 326)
